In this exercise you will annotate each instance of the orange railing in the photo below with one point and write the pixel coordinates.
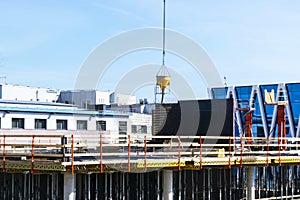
(141, 150)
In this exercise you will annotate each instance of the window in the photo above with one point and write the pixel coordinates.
(17, 123)
(61, 124)
(143, 129)
(219, 93)
(40, 123)
(101, 125)
(123, 127)
(81, 125)
(133, 129)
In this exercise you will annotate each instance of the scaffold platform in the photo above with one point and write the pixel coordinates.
(74, 153)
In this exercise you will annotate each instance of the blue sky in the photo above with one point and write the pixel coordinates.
(44, 43)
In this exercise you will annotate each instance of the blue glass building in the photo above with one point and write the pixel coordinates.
(264, 114)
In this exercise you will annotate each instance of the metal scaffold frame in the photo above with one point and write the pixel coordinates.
(132, 153)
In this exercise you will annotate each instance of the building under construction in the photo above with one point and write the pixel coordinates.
(243, 143)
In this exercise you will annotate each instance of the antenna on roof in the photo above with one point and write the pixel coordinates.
(225, 81)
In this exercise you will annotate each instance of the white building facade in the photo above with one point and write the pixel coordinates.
(25, 109)
(27, 115)
(27, 93)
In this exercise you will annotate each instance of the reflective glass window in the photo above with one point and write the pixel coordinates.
(293, 91)
(243, 95)
(219, 93)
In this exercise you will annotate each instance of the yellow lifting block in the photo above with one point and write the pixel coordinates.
(163, 81)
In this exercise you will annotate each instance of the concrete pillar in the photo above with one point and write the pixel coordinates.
(69, 187)
(168, 184)
(250, 183)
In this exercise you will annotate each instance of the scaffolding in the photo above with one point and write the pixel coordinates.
(131, 153)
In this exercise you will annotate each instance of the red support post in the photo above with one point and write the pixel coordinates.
(281, 122)
(248, 124)
(32, 154)
(279, 160)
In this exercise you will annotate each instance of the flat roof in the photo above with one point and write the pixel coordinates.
(53, 108)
